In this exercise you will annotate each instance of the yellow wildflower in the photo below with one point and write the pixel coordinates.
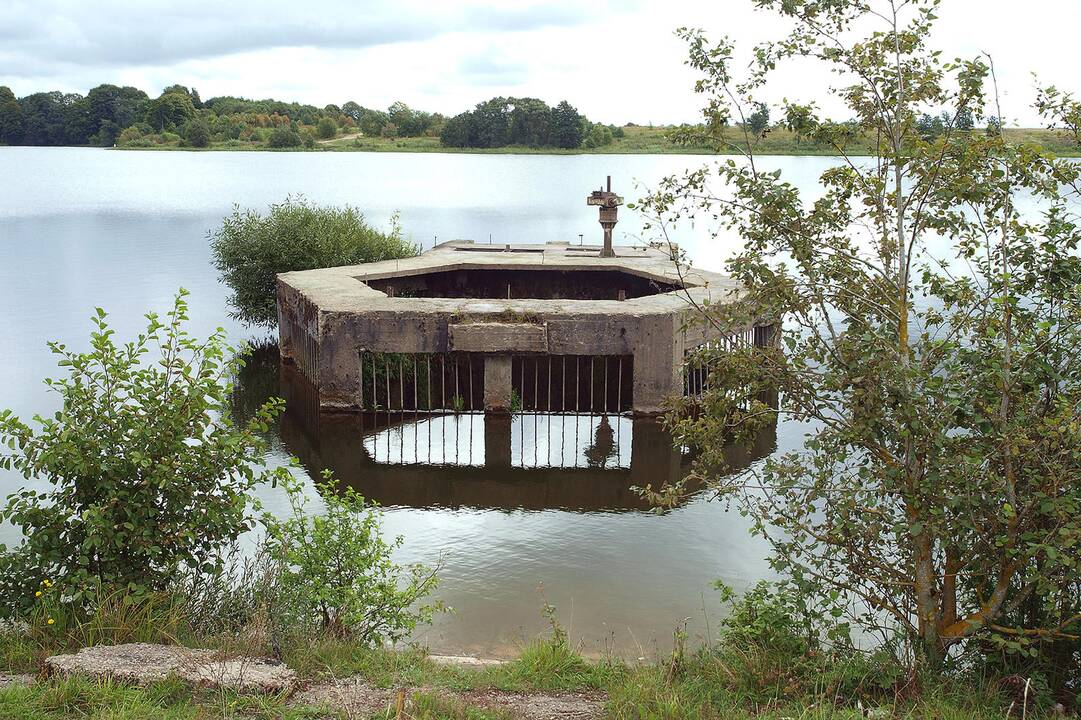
(51, 621)
(37, 594)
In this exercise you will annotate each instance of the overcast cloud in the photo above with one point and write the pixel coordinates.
(617, 61)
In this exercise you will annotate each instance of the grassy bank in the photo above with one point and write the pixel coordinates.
(637, 140)
(705, 685)
(766, 673)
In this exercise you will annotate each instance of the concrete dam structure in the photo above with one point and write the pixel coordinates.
(554, 328)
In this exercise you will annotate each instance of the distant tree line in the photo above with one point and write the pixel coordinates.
(111, 115)
(529, 122)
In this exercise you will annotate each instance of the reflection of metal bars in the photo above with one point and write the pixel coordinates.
(538, 440)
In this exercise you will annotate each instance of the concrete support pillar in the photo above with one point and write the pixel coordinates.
(657, 365)
(497, 383)
(606, 249)
(338, 371)
(497, 433)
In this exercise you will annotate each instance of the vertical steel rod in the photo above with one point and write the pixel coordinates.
(563, 387)
(605, 384)
(362, 380)
(469, 362)
(562, 439)
(592, 383)
(536, 413)
(619, 387)
(416, 414)
(577, 420)
(548, 425)
(577, 390)
(549, 383)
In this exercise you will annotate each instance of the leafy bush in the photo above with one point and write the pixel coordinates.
(599, 136)
(129, 135)
(326, 129)
(147, 475)
(250, 249)
(769, 618)
(337, 572)
(284, 137)
(197, 133)
(774, 642)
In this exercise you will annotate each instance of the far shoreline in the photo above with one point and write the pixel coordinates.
(638, 140)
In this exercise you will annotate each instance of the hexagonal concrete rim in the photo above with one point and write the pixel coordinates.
(344, 289)
(446, 261)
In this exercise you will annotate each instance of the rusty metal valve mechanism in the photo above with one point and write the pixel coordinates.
(608, 203)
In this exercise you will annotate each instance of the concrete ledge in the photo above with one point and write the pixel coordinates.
(145, 663)
(499, 337)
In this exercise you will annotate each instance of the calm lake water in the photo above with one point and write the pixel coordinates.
(82, 228)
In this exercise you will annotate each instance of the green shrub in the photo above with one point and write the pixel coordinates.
(146, 474)
(197, 133)
(770, 618)
(337, 575)
(326, 129)
(250, 249)
(599, 136)
(307, 138)
(129, 136)
(284, 137)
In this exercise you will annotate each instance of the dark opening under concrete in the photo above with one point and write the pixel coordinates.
(493, 283)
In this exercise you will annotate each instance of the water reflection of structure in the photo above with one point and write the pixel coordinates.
(532, 461)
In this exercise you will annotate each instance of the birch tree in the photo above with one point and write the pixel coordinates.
(930, 337)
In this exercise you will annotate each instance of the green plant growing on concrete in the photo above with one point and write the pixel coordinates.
(145, 474)
(251, 248)
(337, 575)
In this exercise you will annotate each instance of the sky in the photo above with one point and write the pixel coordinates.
(617, 61)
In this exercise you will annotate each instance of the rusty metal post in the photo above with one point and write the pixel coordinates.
(608, 204)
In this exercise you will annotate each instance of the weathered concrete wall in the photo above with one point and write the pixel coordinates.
(497, 383)
(521, 337)
(327, 318)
